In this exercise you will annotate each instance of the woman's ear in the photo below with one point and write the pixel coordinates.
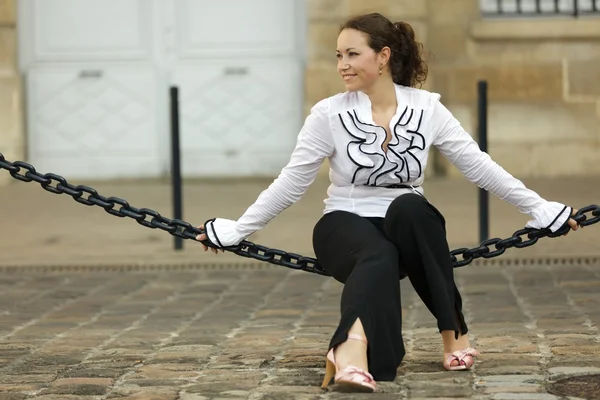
(384, 56)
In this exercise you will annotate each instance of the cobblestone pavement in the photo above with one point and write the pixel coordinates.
(261, 333)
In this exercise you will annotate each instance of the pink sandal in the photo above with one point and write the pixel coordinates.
(464, 358)
(351, 377)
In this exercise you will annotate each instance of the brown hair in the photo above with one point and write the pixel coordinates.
(406, 62)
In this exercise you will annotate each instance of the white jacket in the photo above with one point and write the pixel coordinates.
(342, 129)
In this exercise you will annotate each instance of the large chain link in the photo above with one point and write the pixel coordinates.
(88, 196)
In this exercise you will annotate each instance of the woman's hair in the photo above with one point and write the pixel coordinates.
(406, 62)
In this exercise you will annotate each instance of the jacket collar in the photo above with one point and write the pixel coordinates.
(363, 106)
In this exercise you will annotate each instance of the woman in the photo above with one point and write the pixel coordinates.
(377, 225)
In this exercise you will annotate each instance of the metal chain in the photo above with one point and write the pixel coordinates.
(151, 219)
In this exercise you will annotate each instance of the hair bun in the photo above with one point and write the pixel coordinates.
(405, 29)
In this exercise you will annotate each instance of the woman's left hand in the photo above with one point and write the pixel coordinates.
(572, 223)
(202, 237)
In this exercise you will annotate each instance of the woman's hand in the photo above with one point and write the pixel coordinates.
(202, 237)
(572, 223)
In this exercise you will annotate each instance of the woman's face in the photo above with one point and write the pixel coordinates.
(358, 64)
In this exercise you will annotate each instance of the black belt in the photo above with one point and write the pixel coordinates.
(399, 186)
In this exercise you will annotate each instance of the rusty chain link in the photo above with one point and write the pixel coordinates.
(88, 196)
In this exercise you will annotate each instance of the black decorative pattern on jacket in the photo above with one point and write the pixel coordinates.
(365, 150)
(404, 146)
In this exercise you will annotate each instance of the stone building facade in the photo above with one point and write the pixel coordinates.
(543, 76)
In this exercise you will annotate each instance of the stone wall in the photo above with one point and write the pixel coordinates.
(543, 77)
(544, 86)
(11, 121)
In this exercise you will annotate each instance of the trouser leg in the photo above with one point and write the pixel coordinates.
(357, 254)
(418, 230)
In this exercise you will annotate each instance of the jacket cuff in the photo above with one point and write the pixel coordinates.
(550, 215)
(222, 232)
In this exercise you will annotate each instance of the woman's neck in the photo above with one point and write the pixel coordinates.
(383, 96)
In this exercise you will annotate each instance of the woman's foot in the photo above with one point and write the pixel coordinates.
(347, 363)
(460, 359)
(352, 352)
(347, 375)
(458, 353)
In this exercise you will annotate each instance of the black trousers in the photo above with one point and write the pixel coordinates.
(370, 256)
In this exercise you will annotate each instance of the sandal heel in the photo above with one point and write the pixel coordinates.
(329, 373)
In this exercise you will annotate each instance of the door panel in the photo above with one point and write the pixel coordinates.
(90, 29)
(235, 28)
(93, 123)
(238, 121)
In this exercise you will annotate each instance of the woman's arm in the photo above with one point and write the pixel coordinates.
(313, 145)
(478, 167)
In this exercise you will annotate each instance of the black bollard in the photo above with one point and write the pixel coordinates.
(482, 127)
(176, 163)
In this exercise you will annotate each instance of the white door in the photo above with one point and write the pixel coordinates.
(93, 91)
(239, 68)
(98, 74)
(96, 123)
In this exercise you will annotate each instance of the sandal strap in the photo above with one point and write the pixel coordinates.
(356, 336)
(355, 374)
(460, 355)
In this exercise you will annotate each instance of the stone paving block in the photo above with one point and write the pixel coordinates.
(20, 387)
(557, 373)
(577, 362)
(117, 354)
(440, 376)
(345, 396)
(253, 363)
(12, 396)
(67, 397)
(461, 388)
(80, 386)
(191, 396)
(269, 389)
(183, 354)
(48, 359)
(24, 378)
(524, 396)
(514, 389)
(214, 387)
(572, 339)
(503, 380)
(95, 371)
(148, 393)
(164, 371)
(509, 369)
(133, 380)
(298, 378)
(501, 327)
(495, 360)
(581, 350)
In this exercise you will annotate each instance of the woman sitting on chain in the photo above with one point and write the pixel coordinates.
(378, 227)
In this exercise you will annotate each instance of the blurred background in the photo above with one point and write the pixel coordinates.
(84, 84)
(84, 87)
